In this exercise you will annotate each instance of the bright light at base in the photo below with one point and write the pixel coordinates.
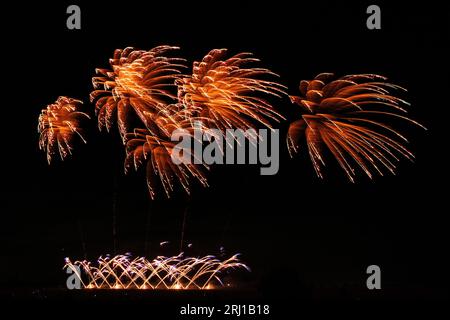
(176, 273)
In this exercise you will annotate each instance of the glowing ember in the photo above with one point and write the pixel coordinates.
(177, 272)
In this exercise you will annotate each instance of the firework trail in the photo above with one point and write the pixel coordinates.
(347, 116)
(139, 84)
(58, 126)
(177, 272)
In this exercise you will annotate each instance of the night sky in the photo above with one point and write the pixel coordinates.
(321, 233)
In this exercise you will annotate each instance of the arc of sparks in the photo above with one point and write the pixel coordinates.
(176, 272)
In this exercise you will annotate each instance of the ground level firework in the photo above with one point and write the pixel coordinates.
(177, 272)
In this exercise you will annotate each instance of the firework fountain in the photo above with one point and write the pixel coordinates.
(176, 272)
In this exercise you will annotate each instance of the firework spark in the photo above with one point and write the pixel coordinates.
(177, 272)
(59, 124)
(224, 93)
(140, 84)
(344, 116)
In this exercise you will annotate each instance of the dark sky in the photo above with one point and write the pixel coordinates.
(324, 232)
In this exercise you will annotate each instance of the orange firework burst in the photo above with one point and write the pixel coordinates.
(225, 94)
(140, 81)
(59, 124)
(338, 115)
(220, 94)
(157, 153)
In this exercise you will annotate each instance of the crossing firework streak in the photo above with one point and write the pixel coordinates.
(177, 272)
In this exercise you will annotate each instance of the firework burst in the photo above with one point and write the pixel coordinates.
(221, 93)
(177, 272)
(157, 152)
(59, 124)
(140, 84)
(224, 93)
(348, 117)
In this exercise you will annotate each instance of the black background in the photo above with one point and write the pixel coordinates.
(293, 229)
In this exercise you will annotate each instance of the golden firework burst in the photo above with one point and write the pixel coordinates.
(348, 117)
(59, 124)
(226, 94)
(157, 151)
(221, 93)
(139, 84)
